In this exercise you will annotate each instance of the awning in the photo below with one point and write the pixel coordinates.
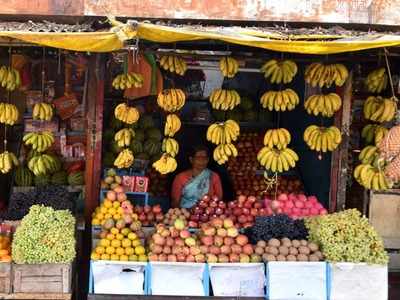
(298, 43)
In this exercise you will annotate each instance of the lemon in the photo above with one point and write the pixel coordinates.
(119, 251)
(104, 210)
(120, 210)
(110, 250)
(95, 221)
(139, 250)
(112, 211)
(143, 258)
(116, 217)
(114, 257)
(126, 243)
(124, 257)
(95, 256)
(125, 231)
(133, 257)
(107, 203)
(114, 230)
(132, 236)
(100, 216)
(105, 256)
(116, 243)
(104, 243)
(129, 251)
(136, 243)
(108, 216)
(100, 250)
(110, 236)
(116, 204)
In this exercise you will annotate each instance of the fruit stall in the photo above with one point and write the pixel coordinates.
(297, 130)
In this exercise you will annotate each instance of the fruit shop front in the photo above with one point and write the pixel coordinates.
(284, 133)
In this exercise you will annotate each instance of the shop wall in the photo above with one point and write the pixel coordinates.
(324, 11)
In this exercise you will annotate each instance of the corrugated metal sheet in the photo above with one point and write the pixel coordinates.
(325, 11)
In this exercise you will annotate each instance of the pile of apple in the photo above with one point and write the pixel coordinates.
(295, 205)
(174, 214)
(241, 211)
(149, 215)
(221, 242)
(174, 244)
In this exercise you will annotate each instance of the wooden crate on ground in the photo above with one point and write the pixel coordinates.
(384, 215)
(42, 278)
(5, 278)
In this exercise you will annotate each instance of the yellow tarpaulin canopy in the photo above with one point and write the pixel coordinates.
(271, 41)
(106, 41)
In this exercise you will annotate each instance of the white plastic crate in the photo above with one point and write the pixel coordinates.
(237, 279)
(358, 281)
(117, 277)
(178, 279)
(297, 280)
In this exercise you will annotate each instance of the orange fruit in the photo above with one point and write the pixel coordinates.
(107, 203)
(126, 243)
(110, 236)
(114, 257)
(119, 236)
(129, 251)
(95, 221)
(143, 258)
(125, 231)
(112, 211)
(116, 204)
(116, 243)
(104, 243)
(124, 257)
(114, 230)
(110, 250)
(133, 257)
(119, 251)
(100, 250)
(136, 243)
(132, 236)
(94, 256)
(139, 250)
(105, 256)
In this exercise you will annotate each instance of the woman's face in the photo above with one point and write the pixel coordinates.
(199, 160)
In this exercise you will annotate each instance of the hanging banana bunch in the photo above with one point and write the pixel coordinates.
(372, 177)
(279, 71)
(325, 105)
(173, 64)
(8, 113)
(166, 164)
(224, 99)
(10, 78)
(126, 114)
(171, 100)
(39, 141)
(279, 138)
(376, 81)
(42, 111)
(172, 125)
(8, 160)
(124, 137)
(228, 66)
(325, 75)
(223, 133)
(127, 81)
(284, 100)
(42, 164)
(170, 146)
(380, 109)
(373, 133)
(322, 139)
(124, 159)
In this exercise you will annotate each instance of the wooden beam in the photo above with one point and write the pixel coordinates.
(340, 156)
(94, 116)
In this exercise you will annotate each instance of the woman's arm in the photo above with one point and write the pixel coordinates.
(217, 186)
(176, 192)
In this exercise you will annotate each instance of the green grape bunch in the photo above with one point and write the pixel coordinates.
(45, 236)
(347, 237)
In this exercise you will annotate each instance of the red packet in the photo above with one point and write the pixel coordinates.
(128, 182)
(141, 184)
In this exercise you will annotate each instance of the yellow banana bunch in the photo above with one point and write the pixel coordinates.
(277, 160)
(376, 81)
(223, 133)
(373, 133)
(126, 114)
(170, 146)
(318, 74)
(42, 111)
(166, 164)
(228, 66)
(9, 113)
(171, 100)
(279, 71)
(9, 78)
(224, 99)
(42, 164)
(124, 137)
(222, 153)
(279, 100)
(40, 141)
(322, 138)
(380, 109)
(124, 159)
(172, 125)
(326, 105)
(372, 178)
(279, 138)
(127, 81)
(8, 160)
(174, 64)
(368, 155)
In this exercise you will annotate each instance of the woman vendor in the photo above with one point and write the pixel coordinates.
(190, 185)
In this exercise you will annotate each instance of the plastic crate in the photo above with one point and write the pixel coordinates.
(178, 279)
(297, 280)
(237, 279)
(117, 277)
